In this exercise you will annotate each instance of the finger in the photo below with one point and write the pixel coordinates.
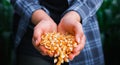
(79, 36)
(77, 50)
(43, 50)
(35, 41)
(80, 45)
(78, 32)
(50, 54)
(36, 37)
(71, 56)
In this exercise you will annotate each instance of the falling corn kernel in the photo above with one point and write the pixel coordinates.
(59, 44)
(55, 60)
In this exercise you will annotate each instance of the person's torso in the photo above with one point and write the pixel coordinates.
(57, 6)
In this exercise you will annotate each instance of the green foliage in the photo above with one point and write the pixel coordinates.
(109, 22)
(6, 14)
(109, 14)
(109, 19)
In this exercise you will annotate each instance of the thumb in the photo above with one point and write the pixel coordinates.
(37, 42)
(78, 32)
(77, 37)
(36, 37)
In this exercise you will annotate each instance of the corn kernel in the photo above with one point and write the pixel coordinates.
(55, 60)
(59, 44)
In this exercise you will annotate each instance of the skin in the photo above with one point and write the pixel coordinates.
(71, 23)
(45, 24)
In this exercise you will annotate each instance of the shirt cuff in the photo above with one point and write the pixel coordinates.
(84, 9)
(26, 8)
(31, 25)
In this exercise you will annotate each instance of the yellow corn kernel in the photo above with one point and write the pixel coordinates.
(59, 44)
(55, 60)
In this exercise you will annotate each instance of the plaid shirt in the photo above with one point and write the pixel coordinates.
(92, 53)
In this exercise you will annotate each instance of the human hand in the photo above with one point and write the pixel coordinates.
(45, 25)
(71, 23)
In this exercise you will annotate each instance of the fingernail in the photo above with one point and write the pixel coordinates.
(71, 56)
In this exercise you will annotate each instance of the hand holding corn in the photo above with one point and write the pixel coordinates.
(71, 23)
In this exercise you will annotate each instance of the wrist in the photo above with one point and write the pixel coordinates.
(73, 14)
(38, 16)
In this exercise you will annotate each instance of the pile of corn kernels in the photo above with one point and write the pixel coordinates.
(59, 44)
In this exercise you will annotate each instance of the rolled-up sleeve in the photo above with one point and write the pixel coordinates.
(27, 7)
(85, 8)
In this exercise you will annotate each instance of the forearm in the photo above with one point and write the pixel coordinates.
(26, 7)
(73, 14)
(39, 15)
(31, 10)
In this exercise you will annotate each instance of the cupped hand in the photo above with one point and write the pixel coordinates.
(70, 23)
(44, 26)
